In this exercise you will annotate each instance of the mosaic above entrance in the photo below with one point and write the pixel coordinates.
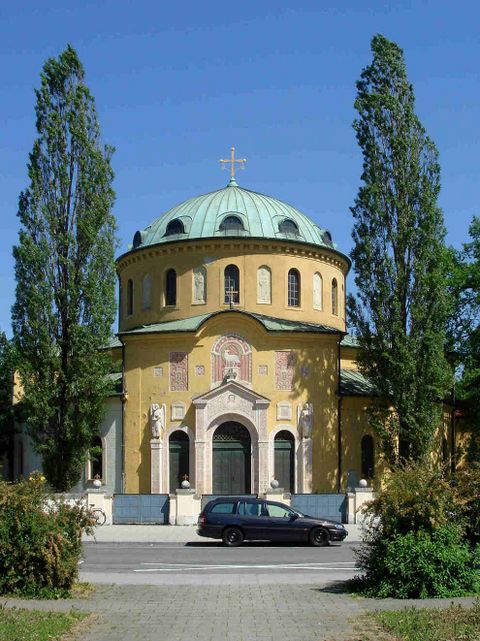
(231, 360)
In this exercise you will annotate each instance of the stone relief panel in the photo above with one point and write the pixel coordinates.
(232, 403)
(284, 370)
(147, 292)
(264, 285)
(199, 285)
(231, 360)
(178, 371)
(178, 411)
(317, 291)
(284, 411)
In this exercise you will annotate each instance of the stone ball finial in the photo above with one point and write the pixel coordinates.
(274, 484)
(362, 483)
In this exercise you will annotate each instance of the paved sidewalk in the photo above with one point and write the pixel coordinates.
(168, 534)
(227, 613)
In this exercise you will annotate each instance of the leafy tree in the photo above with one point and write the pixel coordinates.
(65, 271)
(400, 260)
(465, 328)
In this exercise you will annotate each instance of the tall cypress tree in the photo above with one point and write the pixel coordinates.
(400, 260)
(65, 271)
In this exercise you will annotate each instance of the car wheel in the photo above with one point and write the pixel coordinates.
(319, 537)
(232, 536)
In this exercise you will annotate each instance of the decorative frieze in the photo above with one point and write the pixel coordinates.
(178, 371)
(284, 370)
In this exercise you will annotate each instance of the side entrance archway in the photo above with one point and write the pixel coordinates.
(231, 459)
(179, 459)
(284, 462)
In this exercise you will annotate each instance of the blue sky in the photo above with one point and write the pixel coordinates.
(178, 83)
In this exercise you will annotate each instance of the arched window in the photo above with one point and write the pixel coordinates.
(288, 227)
(231, 224)
(96, 458)
(334, 297)
(232, 284)
(179, 458)
(368, 462)
(293, 288)
(317, 291)
(174, 227)
(147, 292)
(171, 287)
(129, 297)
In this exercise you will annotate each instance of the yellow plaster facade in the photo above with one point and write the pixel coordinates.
(219, 367)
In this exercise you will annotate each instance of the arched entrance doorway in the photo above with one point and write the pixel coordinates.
(231, 459)
(285, 460)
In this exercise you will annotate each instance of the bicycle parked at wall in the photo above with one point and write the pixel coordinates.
(98, 515)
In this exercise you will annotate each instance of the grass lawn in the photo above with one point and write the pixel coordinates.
(29, 625)
(455, 623)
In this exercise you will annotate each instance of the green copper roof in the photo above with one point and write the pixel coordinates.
(350, 341)
(352, 383)
(193, 323)
(255, 216)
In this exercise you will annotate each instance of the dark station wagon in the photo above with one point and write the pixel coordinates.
(235, 519)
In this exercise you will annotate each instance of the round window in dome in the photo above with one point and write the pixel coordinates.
(327, 238)
(231, 224)
(174, 227)
(288, 227)
(137, 239)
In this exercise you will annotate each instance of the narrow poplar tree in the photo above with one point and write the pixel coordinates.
(65, 272)
(400, 260)
(7, 414)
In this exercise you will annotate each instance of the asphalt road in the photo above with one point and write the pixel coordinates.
(211, 563)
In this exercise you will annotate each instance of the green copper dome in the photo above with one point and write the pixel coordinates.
(232, 211)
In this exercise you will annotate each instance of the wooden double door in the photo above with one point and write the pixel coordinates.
(231, 460)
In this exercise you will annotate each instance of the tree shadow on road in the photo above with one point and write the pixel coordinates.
(336, 587)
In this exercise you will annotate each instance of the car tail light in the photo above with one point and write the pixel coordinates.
(201, 520)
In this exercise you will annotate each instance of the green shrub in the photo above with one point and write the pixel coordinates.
(40, 540)
(414, 498)
(467, 500)
(415, 533)
(420, 565)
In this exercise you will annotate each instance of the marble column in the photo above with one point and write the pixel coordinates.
(156, 453)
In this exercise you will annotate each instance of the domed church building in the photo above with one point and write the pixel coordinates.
(232, 326)
(237, 371)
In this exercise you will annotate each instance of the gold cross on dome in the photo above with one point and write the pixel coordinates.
(233, 160)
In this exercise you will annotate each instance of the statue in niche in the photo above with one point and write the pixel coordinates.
(157, 419)
(317, 291)
(263, 285)
(199, 285)
(305, 420)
